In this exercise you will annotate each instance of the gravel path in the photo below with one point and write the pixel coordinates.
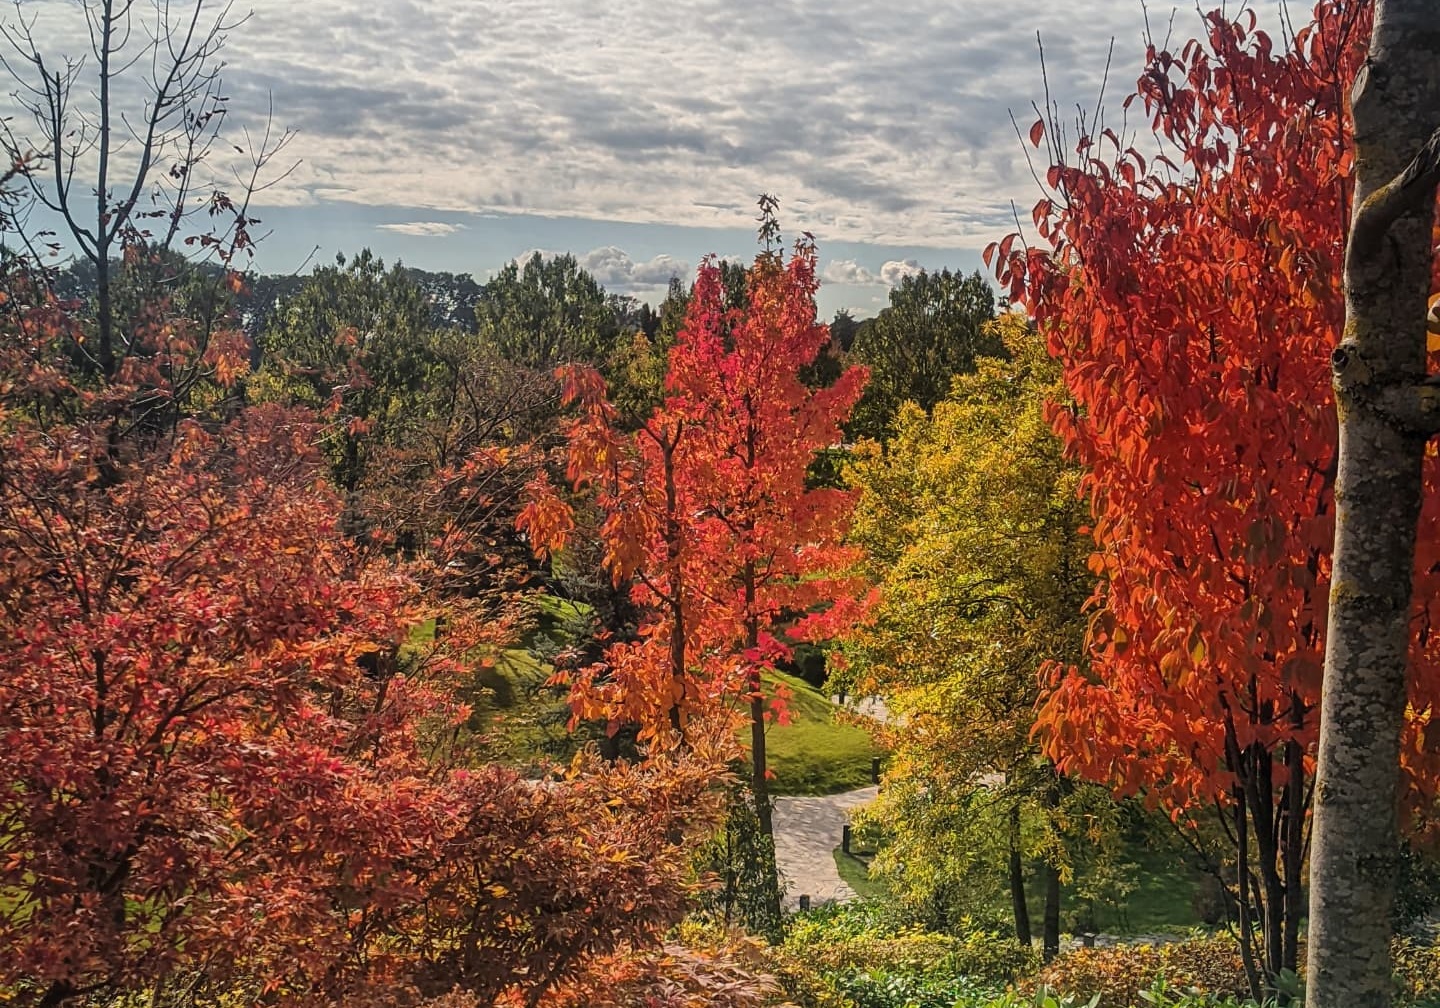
(807, 831)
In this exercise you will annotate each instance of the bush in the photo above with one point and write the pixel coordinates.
(881, 989)
(1120, 975)
(980, 955)
(1417, 972)
(855, 957)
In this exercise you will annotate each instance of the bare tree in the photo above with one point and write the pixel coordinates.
(120, 139)
(1389, 409)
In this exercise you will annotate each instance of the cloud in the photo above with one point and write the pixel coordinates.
(616, 270)
(892, 272)
(872, 124)
(847, 271)
(423, 229)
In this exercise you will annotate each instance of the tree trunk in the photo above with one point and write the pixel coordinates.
(1017, 881)
(1050, 926)
(1386, 414)
(1050, 932)
(759, 769)
(675, 590)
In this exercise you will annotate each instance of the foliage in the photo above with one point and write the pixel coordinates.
(431, 435)
(876, 988)
(838, 957)
(708, 511)
(846, 940)
(706, 505)
(673, 976)
(1121, 974)
(349, 345)
(545, 313)
(215, 714)
(1417, 971)
(1194, 298)
(934, 328)
(969, 519)
(734, 861)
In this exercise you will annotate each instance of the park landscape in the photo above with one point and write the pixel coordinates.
(1060, 635)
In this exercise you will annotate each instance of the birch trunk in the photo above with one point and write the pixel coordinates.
(1387, 412)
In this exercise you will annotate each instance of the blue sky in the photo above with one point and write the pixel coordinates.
(457, 134)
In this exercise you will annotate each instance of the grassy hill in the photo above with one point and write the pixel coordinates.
(525, 721)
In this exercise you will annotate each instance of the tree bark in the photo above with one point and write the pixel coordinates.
(759, 770)
(1017, 881)
(1050, 925)
(1386, 412)
(1050, 929)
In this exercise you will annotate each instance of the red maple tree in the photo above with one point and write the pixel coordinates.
(1194, 298)
(708, 508)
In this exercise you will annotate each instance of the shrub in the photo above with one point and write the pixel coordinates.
(881, 989)
(1119, 975)
(1417, 972)
(804, 984)
(980, 956)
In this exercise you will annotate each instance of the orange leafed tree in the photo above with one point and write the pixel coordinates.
(225, 772)
(1194, 298)
(709, 510)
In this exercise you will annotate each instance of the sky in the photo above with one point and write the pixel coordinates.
(636, 134)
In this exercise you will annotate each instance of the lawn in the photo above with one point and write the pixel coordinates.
(855, 872)
(816, 754)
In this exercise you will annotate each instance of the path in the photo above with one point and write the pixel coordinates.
(807, 831)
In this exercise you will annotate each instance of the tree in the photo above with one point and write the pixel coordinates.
(214, 715)
(1387, 416)
(149, 159)
(350, 344)
(969, 520)
(933, 329)
(707, 508)
(546, 313)
(1193, 299)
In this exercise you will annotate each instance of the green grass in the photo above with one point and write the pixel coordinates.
(816, 754)
(855, 872)
(1163, 899)
(1161, 902)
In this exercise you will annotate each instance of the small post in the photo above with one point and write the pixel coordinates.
(874, 769)
(804, 901)
(845, 838)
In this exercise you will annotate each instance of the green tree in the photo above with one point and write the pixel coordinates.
(934, 329)
(970, 519)
(349, 344)
(547, 312)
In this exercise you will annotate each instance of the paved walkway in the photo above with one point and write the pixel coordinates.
(807, 831)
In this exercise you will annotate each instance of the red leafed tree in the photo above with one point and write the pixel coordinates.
(1194, 299)
(709, 510)
(225, 772)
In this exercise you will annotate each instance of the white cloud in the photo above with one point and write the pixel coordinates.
(847, 271)
(423, 229)
(615, 269)
(871, 125)
(892, 272)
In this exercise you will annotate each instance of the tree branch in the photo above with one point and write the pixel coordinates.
(1408, 191)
